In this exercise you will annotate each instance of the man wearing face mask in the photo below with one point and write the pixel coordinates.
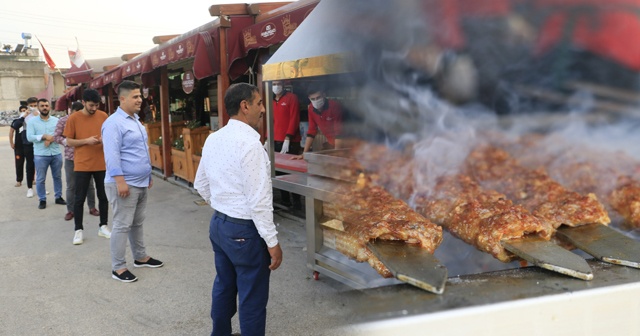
(15, 139)
(27, 146)
(286, 129)
(325, 115)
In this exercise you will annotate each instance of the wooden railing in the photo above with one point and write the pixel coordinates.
(154, 131)
(193, 142)
(185, 163)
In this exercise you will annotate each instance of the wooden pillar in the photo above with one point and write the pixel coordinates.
(223, 78)
(167, 168)
(109, 99)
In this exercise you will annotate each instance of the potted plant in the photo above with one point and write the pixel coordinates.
(179, 159)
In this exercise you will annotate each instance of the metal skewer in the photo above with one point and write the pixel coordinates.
(547, 255)
(603, 243)
(411, 264)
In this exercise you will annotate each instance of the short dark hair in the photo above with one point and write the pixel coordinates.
(43, 100)
(235, 94)
(76, 106)
(32, 100)
(313, 88)
(91, 95)
(127, 86)
(22, 107)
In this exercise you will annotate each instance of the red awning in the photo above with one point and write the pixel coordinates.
(62, 104)
(179, 48)
(235, 45)
(136, 66)
(113, 76)
(267, 33)
(78, 77)
(78, 74)
(235, 48)
(97, 82)
(174, 52)
(207, 58)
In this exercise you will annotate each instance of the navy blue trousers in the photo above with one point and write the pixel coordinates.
(242, 270)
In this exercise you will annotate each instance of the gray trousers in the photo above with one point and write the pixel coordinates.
(128, 217)
(71, 187)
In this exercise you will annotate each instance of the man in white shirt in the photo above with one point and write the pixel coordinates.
(234, 177)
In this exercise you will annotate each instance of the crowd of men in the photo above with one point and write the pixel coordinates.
(116, 171)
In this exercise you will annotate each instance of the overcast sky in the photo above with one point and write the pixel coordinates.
(103, 28)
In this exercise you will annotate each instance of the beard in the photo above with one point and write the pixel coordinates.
(44, 113)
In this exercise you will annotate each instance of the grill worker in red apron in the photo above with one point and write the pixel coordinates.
(326, 115)
(286, 132)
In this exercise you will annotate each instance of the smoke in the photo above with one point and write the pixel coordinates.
(437, 83)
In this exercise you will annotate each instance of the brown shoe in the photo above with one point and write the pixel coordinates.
(68, 216)
(94, 212)
(18, 184)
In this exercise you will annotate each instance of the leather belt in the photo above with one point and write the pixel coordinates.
(232, 219)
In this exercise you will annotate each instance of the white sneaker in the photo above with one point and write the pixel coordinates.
(77, 238)
(29, 193)
(104, 231)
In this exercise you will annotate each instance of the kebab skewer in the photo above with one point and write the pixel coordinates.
(552, 203)
(371, 218)
(482, 218)
(612, 176)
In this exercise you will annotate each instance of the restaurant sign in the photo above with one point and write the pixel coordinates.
(188, 81)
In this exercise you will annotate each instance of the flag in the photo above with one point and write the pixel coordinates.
(76, 57)
(80, 72)
(47, 57)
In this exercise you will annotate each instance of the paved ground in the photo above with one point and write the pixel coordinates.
(50, 287)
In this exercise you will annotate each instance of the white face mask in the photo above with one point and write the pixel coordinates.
(318, 104)
(277, 89)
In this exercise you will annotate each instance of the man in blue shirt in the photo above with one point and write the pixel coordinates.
(127, 179)
(46, 152)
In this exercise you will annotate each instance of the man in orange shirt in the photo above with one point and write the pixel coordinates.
(83, 131)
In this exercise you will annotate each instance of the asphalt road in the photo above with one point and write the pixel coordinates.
(48, 286)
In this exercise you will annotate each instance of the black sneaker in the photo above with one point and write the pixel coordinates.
(149, 263)
(42, 205)
(60, 200)
(126, 276)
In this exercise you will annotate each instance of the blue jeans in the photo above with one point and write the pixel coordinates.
(242, 269)
(42, 163)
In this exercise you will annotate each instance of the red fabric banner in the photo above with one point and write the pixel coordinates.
(47, 57)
